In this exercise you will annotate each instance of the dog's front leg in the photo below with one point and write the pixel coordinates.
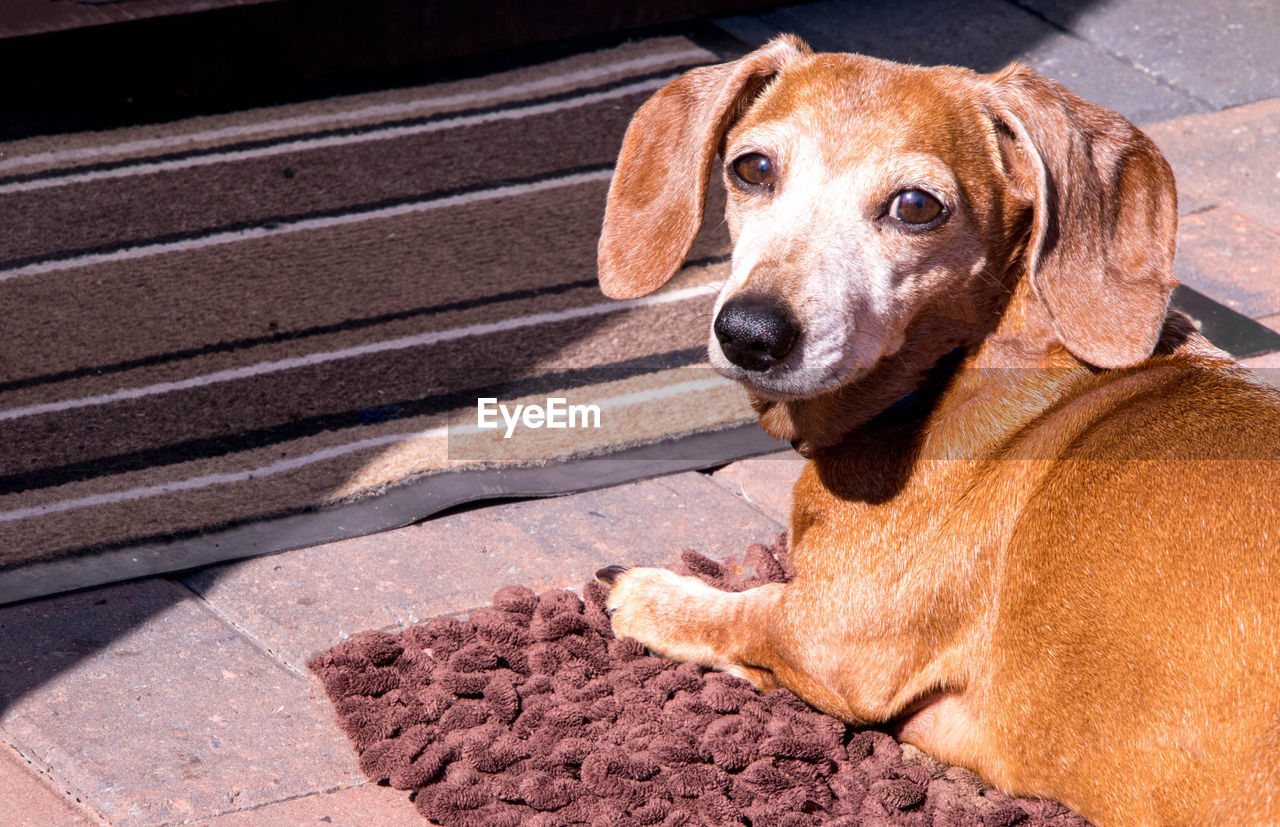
(751, 634)
(684, 619)
(774, 637)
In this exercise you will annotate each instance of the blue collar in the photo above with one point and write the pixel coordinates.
(907, 401)
(903, 403)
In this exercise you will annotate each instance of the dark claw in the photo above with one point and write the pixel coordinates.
(609, 574)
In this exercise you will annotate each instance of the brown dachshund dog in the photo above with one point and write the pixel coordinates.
(1038, 532)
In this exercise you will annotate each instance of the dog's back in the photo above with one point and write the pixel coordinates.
(1140, 609)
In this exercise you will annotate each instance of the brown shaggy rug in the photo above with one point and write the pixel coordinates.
(530, 712)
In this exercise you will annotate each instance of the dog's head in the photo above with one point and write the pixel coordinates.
(883, 212)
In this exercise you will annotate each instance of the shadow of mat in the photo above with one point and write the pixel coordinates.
(394, 508)
(530, 712)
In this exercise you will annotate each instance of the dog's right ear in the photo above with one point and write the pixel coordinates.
(659, 186)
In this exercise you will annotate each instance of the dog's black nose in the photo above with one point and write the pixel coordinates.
(755, 332)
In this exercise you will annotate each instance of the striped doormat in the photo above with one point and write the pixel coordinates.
(260, 318)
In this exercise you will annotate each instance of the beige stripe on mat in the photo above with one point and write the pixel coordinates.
(293, 148)
(313, 359)
(336, 466)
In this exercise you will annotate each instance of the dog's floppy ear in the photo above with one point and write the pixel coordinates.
(659, 185)
(1105, 218)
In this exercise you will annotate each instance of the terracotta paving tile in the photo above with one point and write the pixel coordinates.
(1266, 366)
(361, 806)
(156, 711)
(1232, 258)
(29, 799)
(299, 603)
(765, 482)
(1227, 158)
(649, 522)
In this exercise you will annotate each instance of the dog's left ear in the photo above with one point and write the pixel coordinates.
(659, 187)
(1105, 218)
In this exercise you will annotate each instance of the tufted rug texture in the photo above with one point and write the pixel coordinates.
(530, 712)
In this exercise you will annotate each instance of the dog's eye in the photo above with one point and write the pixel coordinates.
(754, 169)
(915, 207)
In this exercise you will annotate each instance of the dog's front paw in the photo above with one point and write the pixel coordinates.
(663, 610)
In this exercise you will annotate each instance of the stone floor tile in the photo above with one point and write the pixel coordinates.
(1223, 52)
(1267, 367)
(361, 806)
(29, 799)
(299, 603)
(156, 711)
(1232, 258)
(765, 482)
(1229, 158)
